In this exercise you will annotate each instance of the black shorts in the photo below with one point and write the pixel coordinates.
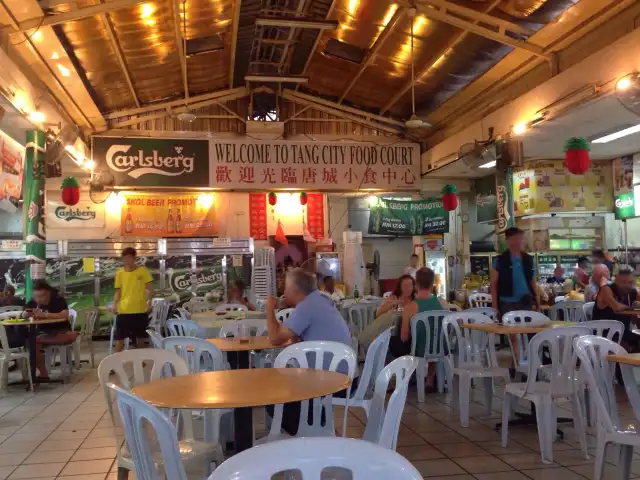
(131, 325)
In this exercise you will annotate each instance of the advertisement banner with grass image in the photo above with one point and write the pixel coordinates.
(408, 218)
(168, 215)
(486, 199)
(545, 186)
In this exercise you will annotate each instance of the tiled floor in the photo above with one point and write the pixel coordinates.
(64, 432)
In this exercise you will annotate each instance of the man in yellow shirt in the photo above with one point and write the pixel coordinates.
(132, 300)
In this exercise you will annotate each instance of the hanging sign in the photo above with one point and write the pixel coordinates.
(486, 200)
(265, 165)
(11, 169)
(315, 215)
(84, 214)
(167, 215)
(407, 218)
(258, 216)
(153, 162)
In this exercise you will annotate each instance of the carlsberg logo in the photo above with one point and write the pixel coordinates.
(503, 209)
(624, 203)
(68, 214)
(182, 281)
(144, 163)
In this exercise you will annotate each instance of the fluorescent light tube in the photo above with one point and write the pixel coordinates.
(488, 164)
(616, 135)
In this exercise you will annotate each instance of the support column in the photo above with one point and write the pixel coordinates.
(33, 210)
(504, 194)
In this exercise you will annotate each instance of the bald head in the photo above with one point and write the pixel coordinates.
(600, 271)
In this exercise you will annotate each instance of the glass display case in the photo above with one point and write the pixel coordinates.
(437, 261)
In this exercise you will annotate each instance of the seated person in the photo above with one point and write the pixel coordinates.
(580, 272)
(599, 277)
(9, 298)
(46, 304)
(235, 294)
(330, 289)
(403, 294)
(558, 276)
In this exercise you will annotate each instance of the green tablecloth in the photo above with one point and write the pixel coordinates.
(379, 325)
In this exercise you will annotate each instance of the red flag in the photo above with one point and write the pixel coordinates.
(306, 234)
(280, 236)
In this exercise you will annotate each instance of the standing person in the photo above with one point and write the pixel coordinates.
(599, 278)
(132, 300)
(580, 273)
(413, 266)
(598, 257)
(513, 280)
(558, 276)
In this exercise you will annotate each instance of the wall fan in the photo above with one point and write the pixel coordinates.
(99, 185)
(317, 266)
(374, 271)
(628, 92)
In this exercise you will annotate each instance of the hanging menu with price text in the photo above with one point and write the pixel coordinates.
(258, 216)
(315, 215)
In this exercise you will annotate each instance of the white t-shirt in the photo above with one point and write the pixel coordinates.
(411, 271)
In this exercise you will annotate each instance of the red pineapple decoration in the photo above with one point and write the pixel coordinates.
(303, 198)
(70, 191)
(449, 197)
(273, 199)
(576, 155)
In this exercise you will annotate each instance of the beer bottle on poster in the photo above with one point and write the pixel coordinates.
(178, 222)
(128, 222)
(170, 223)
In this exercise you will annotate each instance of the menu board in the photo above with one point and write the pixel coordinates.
(479, 264)
(258, 216)
(315, 215)
(546, 186)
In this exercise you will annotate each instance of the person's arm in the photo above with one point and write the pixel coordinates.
(494, 290)
(534, 289)
(116, 296)
(444, 304)
(407, 314)
(278, 333)
(388, 304)
(63, 314)
(606, 299)
(148, 279)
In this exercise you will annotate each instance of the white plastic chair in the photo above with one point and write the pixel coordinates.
(86, 336)
(20, 355)
(387, 294)
(560, 384)
(558, 299)
(487, 311)
(156, 339)
(11, 308)
(231, 307)
(361, 314)
(201, 307)
(572, 311)
(148, 364)
(159, 315)
(137, 416)
(383, 423)
(283, 314)
(183, 328)
(478, 299)
(313, 456)
(181, 313)
(472, 354)
(429, 325)
(373, 365)
(599, 374)
(319, 356)
(587, 311)
(520, 350)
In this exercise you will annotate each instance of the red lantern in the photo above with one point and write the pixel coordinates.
(273, 199)
(70, 191)
(576, 155)
(449, 197)
(303, 198)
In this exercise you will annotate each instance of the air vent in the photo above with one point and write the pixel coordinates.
(344, 51)
(197, 46)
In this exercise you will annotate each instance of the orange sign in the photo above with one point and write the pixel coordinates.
(168, 215)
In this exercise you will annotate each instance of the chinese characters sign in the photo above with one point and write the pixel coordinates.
(167, 215)
(258, 216)
(256, 164)
(395, 217)
(315, 215)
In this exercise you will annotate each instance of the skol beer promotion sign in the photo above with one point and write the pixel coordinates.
(395, 217)
(168, 215)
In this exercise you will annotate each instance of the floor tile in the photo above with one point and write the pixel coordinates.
(52, 445)
(21, 447)
(64, 435)
(420, 452)
(94, 453)
(437, 468)
(610, 471)
(457, 450)
(524, 461)
(510, 475)
(99, 442)
(486, 464)
(5, 472)
(52, 456)
(560, 473)
(496, 448)
(87, 467)
(440, 438)
(568, 458)
(12, 459)
(42, 470)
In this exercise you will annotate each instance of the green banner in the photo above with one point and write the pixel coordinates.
(486, 200)
(33, 209)
(408, 218)
(625, 205)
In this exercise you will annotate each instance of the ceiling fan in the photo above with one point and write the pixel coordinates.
(414, 122)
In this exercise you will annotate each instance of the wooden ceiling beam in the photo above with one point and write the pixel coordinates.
(120, 56)
(237, 4)
(177, 24)
(373, 51)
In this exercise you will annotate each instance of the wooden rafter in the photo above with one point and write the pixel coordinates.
(177, 30)
(237, 4)
(120, 56)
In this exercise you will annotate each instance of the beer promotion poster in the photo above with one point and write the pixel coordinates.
(408, 218)
(167, 215)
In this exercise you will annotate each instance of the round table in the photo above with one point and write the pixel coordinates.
(242, 390)
(212, 322)
(231, 344)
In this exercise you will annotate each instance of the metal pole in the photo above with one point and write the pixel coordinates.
(626, 243)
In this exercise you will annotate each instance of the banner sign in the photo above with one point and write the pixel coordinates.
(85, 214)
(626, 205)
(167, 215)
(626, 173)
(315, 215)
(545, 186)
(407, 218)
(486, 200)
(264, 165)
(258, 216)
(11, 169)
(153, 162)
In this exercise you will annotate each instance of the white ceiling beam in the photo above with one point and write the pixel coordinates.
(50, 20)
(237, 4)
(373, 51)
(297, 23)
(177, 31)
(120, 56)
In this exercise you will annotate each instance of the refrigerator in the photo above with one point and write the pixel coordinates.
(437, 261)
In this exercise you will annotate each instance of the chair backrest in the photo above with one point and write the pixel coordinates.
(11, 308)
(181, 313)
(487, 311)
(387, 294)
(200, 355)
(373, 363)
(383, 422)
(183, 328)
(572, 311)
(361, 314)
(313, 456)
(256, 327)
(426, 333)
(73, 316)
(88, 326)
(469, 348)
(159, 314)
(283, 314)
(201, 307)
(479, 299)
(587, 310)
(609, 329)
(231, 307)
(157, 340)
(332, 356)
(556, 344)
(136, 416)
(4, 341)
(522, 318)
(592, 350)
